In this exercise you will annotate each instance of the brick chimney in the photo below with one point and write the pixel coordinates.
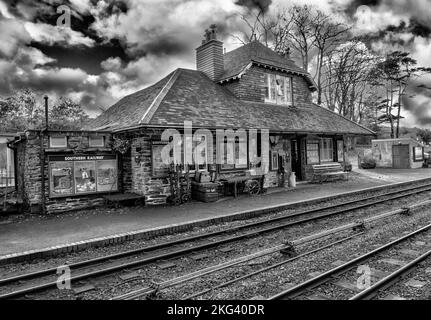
(209, 56)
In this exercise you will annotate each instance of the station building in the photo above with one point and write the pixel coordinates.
(249, 88)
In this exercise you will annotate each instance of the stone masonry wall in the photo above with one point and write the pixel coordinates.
(155, 190)
(29, 175)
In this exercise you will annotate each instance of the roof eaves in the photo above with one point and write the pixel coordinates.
(146, 118)
(273, 67)
(237, 75)
(360, 125)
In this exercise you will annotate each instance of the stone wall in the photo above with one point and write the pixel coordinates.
(155, 190)
(29, 171)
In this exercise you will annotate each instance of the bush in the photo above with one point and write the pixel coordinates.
(368, 163)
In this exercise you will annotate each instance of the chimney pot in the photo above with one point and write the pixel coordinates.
(209, 56)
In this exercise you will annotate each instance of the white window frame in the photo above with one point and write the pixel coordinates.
(194, 155)
(64, 145)
(96, 145)
(323, 155)
(288, 88)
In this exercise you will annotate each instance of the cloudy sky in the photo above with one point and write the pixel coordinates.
(113, 48)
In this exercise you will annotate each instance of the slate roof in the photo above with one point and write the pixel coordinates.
(237, 61)
(189, 95)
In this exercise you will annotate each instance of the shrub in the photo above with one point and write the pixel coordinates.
(368, 163)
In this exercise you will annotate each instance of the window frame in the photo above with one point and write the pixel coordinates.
(340, 150)
(314, 142)
(156, 145)
(57, 146)
(321, 153)
(52, 160)
(234, 167)
(288, 88)
(414, 154)
(274, 166)
(96, 145)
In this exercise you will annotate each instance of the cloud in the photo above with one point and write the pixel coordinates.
(49, 34)
(12, 36)
(111, 64)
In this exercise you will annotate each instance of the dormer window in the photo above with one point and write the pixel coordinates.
(278, 89)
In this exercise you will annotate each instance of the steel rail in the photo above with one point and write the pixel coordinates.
(228, 264)
(216, 233)
(390, 279)
(273, 266)
(327, 276)
(355, 225)
(191, 249)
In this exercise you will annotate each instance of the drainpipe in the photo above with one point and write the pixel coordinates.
(42, 158)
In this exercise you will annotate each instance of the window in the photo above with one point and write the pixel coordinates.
(340, 150)
(192, 159)
(313, 152)
(278, 89)
(233, 153)
(160, 169)
(58, 142)
(71, 175)
(418, 154)
(98, 141)
(326, 151)
(7, 168)
(274, 160)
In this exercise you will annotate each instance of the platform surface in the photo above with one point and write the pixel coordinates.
(23, 233)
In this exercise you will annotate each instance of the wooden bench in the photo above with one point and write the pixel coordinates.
(328, 171)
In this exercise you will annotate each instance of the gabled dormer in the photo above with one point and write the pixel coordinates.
(254, 72)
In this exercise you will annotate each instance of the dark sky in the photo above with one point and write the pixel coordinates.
(114, 48)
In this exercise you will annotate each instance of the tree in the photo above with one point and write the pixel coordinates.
(424, 135)
(20, 111)
(393, 74)
(327, 34)
(345, 81)
(67, 114)
(302, 34)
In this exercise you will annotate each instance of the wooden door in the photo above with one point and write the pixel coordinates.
(401, 156)
(296, 159)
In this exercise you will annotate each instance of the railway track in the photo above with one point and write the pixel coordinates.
(45, 279)
(392, 278)
(287, 250)
(344, 282)
(156, 288)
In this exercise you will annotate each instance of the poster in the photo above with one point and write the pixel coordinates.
(106, 175)
(85, 176)
(61, 178)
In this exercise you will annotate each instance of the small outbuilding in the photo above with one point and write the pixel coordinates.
(401, 153)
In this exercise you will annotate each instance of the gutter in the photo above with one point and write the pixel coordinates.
(42, 170)
(148, 126)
